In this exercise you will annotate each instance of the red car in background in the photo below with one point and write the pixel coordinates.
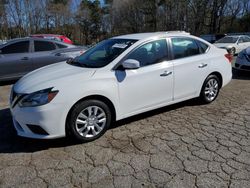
(61, 38)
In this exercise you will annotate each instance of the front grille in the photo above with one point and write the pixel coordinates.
(15, 98)
(13, 95)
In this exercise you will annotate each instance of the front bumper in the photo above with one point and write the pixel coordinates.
(43, 122)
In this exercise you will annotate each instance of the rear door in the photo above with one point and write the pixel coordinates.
(44, 54)
(15, 60)
(190, 66)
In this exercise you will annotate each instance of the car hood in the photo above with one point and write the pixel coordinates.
(54, 75)
(224, 45)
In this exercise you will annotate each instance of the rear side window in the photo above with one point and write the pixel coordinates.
(61, 45)
(203, 46)
(150, 53)
(184, 47)
(44, 46)
(18, 47)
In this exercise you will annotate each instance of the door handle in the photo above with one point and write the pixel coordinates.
(24, 58)
(166, 73)
(202, 65)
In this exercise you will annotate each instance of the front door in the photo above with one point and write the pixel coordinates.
(149, 86)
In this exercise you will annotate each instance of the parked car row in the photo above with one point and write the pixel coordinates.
(20, 56)
(234, 44)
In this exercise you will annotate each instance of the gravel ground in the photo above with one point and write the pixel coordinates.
(183, 145)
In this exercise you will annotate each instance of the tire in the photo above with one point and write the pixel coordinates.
(88, 120)
(210, 89)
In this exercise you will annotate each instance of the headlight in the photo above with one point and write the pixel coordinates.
(38, 98)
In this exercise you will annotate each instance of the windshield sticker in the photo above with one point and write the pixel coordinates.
(119, 45)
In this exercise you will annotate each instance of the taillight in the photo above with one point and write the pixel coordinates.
(229, 57)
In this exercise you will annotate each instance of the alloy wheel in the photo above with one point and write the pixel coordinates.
(211, 89)
(91, 121)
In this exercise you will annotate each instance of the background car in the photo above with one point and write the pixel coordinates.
(243, 60)
(20, 56)
(212, 38)
(234, 43)
(61, 38)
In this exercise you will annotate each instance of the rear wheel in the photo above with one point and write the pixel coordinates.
(210, 89)
(89, 120)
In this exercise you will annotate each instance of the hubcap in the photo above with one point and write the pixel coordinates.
(91, 121)
(211, 89)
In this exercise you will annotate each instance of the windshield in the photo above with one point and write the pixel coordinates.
(228, 40)
(103, 53)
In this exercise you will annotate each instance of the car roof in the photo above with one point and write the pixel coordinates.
(141, 36)
(55, 35)
(237, 36)
(40, 39)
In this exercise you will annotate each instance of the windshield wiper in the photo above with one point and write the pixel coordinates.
(76, 63)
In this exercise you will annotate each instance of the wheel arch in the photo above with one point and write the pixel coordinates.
(94, 97)
(216, 73)
(219, 76)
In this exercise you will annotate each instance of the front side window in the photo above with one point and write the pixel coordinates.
(18, 47)
(44, 46)
(103, 53)
(184, 47)
(150, 53)
(246, 39)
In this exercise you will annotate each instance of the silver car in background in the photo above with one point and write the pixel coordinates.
(21, 56)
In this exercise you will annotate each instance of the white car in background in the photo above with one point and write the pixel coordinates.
(118, 78)
(234, 43)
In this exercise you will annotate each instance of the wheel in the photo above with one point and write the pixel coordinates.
(210, 89)
(232, 51)
(89, 120)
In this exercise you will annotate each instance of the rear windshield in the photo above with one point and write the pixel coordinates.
(228, 40)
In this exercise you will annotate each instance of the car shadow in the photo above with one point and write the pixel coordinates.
(11, 143)
(5, 83)
(241, 75)
(191, 102)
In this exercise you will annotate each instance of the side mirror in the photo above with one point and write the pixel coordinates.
(131, 64)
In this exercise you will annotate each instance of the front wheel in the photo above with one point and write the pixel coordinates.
(89, 120)
(210, 89)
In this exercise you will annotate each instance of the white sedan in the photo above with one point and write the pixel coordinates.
(118, 78)
(234, 44)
